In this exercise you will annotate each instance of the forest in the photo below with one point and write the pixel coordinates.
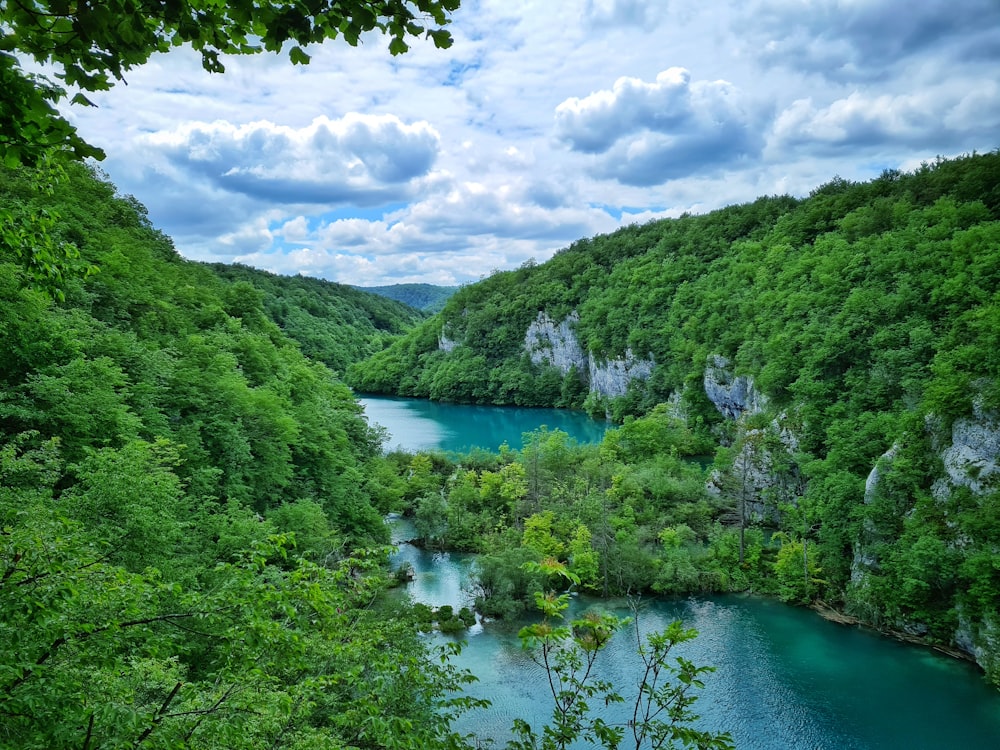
(191, 503)
(191, 528)
(861, 324)
(428, 298)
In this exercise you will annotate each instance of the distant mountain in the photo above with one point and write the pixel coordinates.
(426, 297)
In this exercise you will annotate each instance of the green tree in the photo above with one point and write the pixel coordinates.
(257, 650)
(94, 44)
(662, 710)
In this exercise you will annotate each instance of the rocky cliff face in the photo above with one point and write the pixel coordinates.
(763, 473)
(611, 378)
(556, 344)
(865, 561)
(970, 458)
(732, 395)
(981, 640)
(445, 342)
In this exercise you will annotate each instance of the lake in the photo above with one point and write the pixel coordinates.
(419, 425)
(785, 678)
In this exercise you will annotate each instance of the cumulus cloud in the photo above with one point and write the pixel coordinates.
(647, 133)
(862, 39)
(933, 117)
(450, 238)
(464, 159)
(358, 159)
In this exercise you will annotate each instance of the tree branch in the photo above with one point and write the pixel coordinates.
(159, 715)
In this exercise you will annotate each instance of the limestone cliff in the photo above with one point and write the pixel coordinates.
(970, 458)
(968, 455)
(763, 471)
(555, 344)
(612, 377)
(732, 395)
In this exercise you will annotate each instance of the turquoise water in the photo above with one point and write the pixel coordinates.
(785, 678)
(416, 424)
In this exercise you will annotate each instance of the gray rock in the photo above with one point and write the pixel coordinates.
(970, 460)
(612, 378)
(733, 396)
(556, 345)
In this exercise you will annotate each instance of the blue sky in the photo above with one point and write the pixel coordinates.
(544, 123)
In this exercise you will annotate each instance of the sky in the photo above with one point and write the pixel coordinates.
(544, 123)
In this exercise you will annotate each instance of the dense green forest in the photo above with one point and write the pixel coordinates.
(813, 341)
(192, 545)
(332, 323)
(428, 298)
(191, 507)
(190, 537)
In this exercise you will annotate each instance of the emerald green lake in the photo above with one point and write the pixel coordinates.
(785, 678)
(416, 424)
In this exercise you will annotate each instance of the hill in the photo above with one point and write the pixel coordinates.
(189, 527)
(428, 298)
(843, 350)
(333, 323)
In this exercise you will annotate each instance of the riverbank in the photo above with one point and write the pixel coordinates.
(827, 612)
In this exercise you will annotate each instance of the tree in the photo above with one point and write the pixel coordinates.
(259, 650)
(93, 44)
(662, 710)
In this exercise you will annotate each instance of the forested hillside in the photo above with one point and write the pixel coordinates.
(426, 297)
(191, 508)
(189, 539)
(843, 350)
(333, 323)
(761, 282)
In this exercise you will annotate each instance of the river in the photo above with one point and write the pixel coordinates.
(785, 678)
(418, 425)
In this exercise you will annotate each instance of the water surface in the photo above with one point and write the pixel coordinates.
(417, 424)
(785, 678)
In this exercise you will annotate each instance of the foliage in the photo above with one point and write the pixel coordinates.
(620, 528)
(221, 647)
(27, 233)
(332, 323)
(867, 314)
(428, 298)
(662, 713)
(190, 553)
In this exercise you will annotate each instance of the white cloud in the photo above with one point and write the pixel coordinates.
(357, 159)
(858, 40)
(649, 133)
(295, 230)
(928, 118)
(540, 125)
(594, 123)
